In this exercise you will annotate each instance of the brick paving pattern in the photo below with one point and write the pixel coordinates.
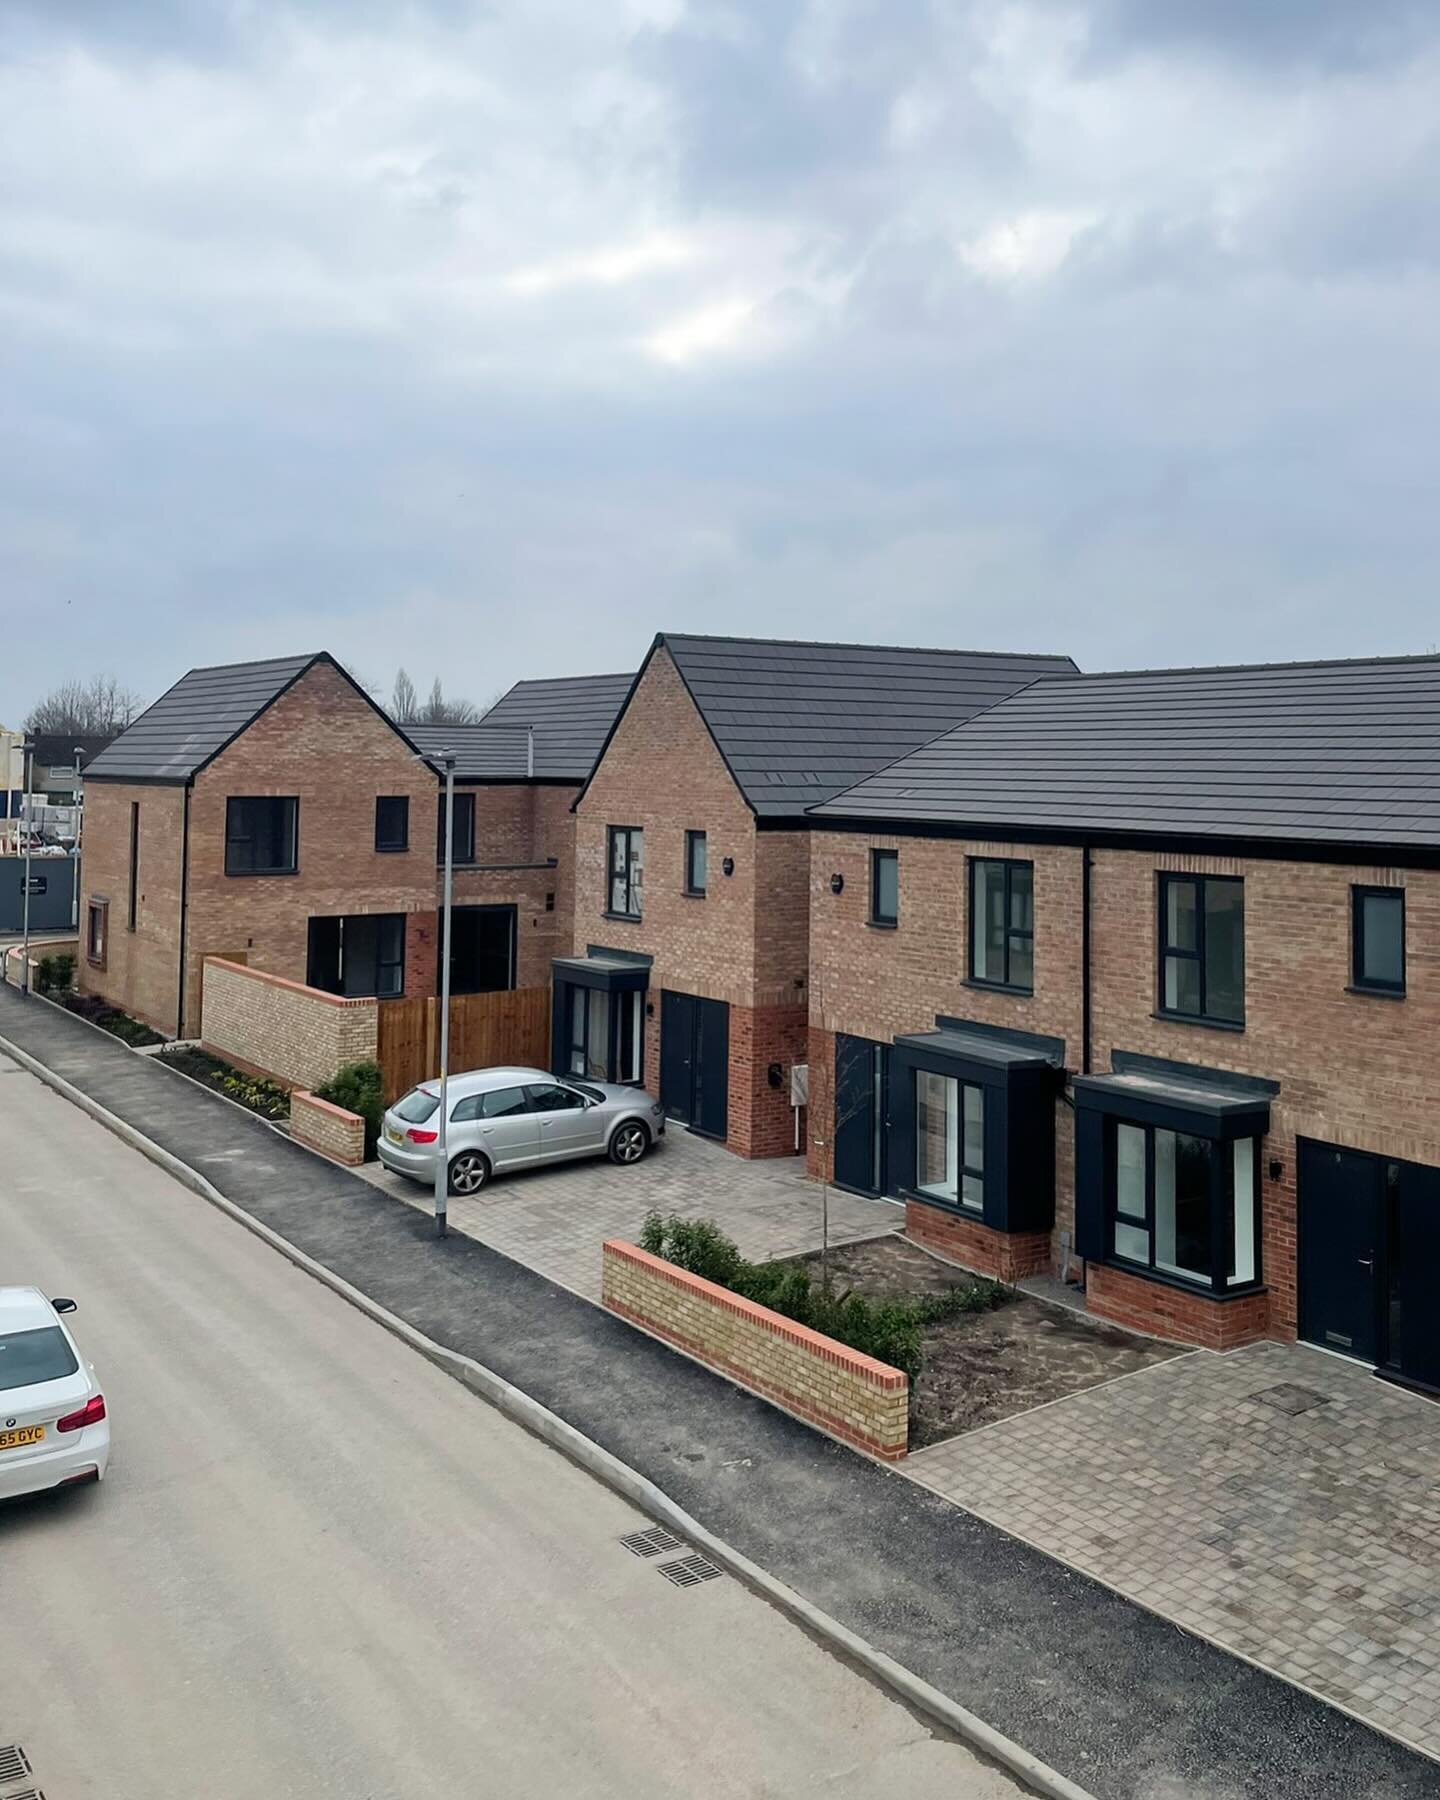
(1281, 1501)
(554, 1219)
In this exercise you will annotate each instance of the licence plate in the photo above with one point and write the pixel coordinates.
(23, 1434)
(394, 1136)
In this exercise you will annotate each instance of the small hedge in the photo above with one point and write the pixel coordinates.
(360, 1088)
(54, 974)
(253, 1092)
(888, 1330)
(108, 1018)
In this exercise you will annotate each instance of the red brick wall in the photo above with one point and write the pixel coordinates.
(142, 971)
(1353, 1070)
(1006, 1255)
(745, 942)
(322, 742)
(1169, 1312)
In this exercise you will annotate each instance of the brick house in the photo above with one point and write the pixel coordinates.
(692, 859)
(271, 813)
(1157, 1002)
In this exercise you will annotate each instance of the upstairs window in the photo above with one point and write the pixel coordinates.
(884, 887)
(133, 901)
(392, 822)
(261, 835)
(1202, 948)
(1002, 923)
(627, 871)
(464, 816)
(1378, 939)
(695, 863)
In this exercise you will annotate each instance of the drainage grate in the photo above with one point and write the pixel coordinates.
(686, 1571)
(14, 1764)
(25, 1794)
(1287, 1397)
(651, 1542)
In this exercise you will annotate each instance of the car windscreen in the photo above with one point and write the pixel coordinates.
(589, 1092)
(417, 1106)
(30, 1356)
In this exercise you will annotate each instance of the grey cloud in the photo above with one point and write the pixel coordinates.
(1275, 34)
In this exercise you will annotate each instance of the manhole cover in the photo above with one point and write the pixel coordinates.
(14, 1764)
(1287, 1397)
(651, 1542)
(686, 1571)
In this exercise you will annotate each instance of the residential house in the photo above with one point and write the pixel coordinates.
(1155, 998)
(270, 812)
(691, 937)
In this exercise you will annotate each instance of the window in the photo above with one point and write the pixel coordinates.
(261, 835)
(30, 1357)
(417, 1106)
(1184, 1206)
(554, 1098)
(358, 955)
(134, 895)
(950, 1140)
(627, 871)
(1002, 923)
(97, 932)
(695, 866)
(392, 822)
(464, 817)
(1378, 939)
(884, 887)
(501, 1103)
(1202, 948)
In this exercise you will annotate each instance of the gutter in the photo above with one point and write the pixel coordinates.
(1087, 863)
(184, 907)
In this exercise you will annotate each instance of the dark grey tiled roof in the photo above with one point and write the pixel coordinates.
(56, 749)
(195, 719)
(572, 716)
(482, 752)
(1337, 752)
(798, 722)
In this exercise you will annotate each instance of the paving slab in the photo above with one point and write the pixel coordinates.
(1124, 1703)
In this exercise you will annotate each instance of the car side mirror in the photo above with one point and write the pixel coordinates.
(63, 1305)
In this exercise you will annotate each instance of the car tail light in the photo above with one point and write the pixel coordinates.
(422, 1137)
(91, 1413)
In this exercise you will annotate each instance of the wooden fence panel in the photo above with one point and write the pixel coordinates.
(485, 1029)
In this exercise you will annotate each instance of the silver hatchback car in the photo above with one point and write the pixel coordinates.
(503, 1119)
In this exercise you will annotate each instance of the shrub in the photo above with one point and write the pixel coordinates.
(888, 1330)
(267, 1098)
(360, 1088)
(55, 974)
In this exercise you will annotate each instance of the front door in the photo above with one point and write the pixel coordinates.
(1341, 1245)
(861, 1078)
(695, 1061)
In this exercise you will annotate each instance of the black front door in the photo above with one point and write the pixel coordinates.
(1341, 1249)
(695, 1061)
(482, 949)
(861, 1074)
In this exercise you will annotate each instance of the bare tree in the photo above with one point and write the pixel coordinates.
(404, 701)
(98, 707)
(437, 710)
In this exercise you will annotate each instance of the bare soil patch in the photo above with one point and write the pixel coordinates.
(980, 1367)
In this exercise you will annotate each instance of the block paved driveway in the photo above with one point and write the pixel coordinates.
(1281, 1501)
(555, 1219)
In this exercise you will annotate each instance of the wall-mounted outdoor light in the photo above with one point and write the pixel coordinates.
(1277, 1169)
(837, 884)
(728, 866)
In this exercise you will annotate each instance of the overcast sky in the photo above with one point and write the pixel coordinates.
(490, 336)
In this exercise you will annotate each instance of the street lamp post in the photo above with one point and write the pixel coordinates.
(29, 775)
(442, 1164)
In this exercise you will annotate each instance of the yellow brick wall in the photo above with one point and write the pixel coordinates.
(848, 1395)
(295, 1033)
(336, 1133)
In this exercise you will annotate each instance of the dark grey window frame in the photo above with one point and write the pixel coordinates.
(886, 921)
(1198, 955)
(1359, 982)
(133, 902)
(463, 826)
(1221, 1173)
(694, 890)
(613, 834)
(234, 838)
(393, 846)
(97, 909)
(394, 962)
(1009, 864)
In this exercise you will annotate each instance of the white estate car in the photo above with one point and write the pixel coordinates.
(53, 1428)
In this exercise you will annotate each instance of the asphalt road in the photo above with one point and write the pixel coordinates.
(319, 1567)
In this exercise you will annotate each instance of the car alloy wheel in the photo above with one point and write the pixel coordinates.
(629, 1143)
(468, 1173)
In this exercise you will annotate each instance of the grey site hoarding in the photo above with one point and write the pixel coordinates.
(52, 892)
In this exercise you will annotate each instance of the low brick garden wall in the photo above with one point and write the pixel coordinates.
(296, 1034)
(329, 1129)
(853, 1397)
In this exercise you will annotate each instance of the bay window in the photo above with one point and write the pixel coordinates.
(1182, 1205)
(950, 1140)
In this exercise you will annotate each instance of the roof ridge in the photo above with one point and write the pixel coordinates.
(715, 637)
(534, 680)
(247, 662)
(1251, 668)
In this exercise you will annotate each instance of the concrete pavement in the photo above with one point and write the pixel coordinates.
(320, 1568)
